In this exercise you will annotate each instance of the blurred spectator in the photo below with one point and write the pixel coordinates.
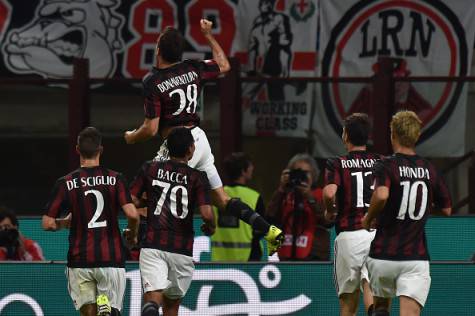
(296, 208)
(13, 245)
(234, 240)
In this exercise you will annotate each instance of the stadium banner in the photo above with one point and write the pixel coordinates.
(424, 38)
(277, 39)
(117, 36)
(229, 289)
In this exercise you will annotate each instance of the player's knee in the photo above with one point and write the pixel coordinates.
(380, 313)
(150, 309)
(115, 312)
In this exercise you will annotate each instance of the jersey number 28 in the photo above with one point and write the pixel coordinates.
(188, 99)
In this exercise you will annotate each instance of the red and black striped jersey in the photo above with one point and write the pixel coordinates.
(352, 174)
(174, 190)
(94, 197)
(415, 187)
(173, 93)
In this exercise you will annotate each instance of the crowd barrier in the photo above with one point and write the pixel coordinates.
(230, 289)
(450, 238)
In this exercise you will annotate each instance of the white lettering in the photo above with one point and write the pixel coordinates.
(357, 163)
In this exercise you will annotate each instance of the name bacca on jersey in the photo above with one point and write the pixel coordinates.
(173, 190)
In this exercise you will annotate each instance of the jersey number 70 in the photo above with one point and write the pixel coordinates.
(172, 198)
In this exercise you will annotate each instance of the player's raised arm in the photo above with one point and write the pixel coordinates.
(218, 54)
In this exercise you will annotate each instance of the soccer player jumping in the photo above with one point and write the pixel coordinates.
(407, 188)
(171, 92)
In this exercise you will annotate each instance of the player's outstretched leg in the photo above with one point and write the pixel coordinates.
(274, 235)
(103, 306)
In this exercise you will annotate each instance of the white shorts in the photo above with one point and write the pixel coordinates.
(202, 159)
(350, 252)
(390, 278)
(85, 284)
(164, 271)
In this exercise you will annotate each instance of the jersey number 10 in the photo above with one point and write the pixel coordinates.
(409, 198)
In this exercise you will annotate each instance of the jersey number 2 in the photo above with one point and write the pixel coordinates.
(191, 97)
(93, 223)
(173, 194)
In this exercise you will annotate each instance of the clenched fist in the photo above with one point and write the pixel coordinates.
(206, 26)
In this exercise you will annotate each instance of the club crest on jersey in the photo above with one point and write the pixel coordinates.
(63, 30)
(422, 37)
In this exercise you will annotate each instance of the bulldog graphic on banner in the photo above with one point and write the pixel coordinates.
(62, 30)
(423, 38)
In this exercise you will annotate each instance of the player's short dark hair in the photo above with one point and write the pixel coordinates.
(89, 142)
(171, 45)
(357, 127)
(5, 212)
(235, 164)
(179, 141)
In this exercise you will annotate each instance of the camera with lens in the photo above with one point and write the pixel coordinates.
(9, 237)
(297, 177)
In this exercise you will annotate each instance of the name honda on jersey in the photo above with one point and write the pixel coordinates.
(90, 182)
(177, 81)
(416, 173)
(358, 163)
(172, 176)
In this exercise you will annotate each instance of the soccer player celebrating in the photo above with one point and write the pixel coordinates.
(407, 188)
(348, 181)
(171, 96)
(173, 190)
(93, 195)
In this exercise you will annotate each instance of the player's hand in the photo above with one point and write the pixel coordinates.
(206, 26)
(207, 229)
(128, 137)
(130, 237)
(368, 224)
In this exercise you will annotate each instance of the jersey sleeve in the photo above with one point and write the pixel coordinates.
(332, 172)
(151, 105)
(381, 175)
(58, 202)
(137, 186)
(208, 69)
(202, 190)
(123, 193)
(441, 194)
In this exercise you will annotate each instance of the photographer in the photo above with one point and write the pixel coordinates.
(13, 245)
(296, 208)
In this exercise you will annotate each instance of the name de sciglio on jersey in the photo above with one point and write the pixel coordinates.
(90, 182)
